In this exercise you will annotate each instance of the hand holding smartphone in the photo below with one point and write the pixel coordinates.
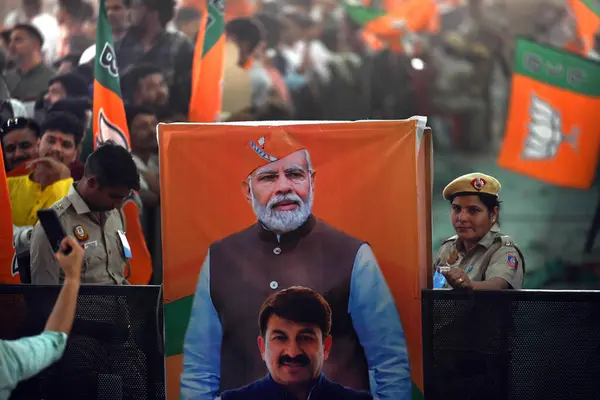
(53, 229)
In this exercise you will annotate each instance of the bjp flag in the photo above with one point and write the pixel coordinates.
(396, 27)
(552, 129)
(587, 14)
(207, 69)
(8, 271)
(110, 123)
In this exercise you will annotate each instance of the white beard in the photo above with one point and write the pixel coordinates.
(283, 221)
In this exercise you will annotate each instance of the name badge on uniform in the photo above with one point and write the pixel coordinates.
(125, 244)
(90, 245)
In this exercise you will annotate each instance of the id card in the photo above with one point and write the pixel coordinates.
(125, 244)
(439, 280)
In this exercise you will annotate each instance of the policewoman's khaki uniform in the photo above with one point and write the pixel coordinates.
(495, 255)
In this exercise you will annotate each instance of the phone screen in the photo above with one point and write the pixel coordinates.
(52, 226)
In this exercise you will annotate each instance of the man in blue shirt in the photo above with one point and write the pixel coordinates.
(21, 359)
(288, 246)
(294, 342)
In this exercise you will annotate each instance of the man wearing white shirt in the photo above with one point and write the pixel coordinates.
(31, 13)
(298, 35)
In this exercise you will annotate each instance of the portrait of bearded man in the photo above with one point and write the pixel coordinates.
(289, 246)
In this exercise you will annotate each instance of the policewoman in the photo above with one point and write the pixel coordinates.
(479, 256)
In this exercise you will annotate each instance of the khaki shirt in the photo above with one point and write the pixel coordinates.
(494, 256)
(104, 261)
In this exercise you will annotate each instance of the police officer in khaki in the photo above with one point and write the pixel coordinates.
(479, 256)
(91, 212)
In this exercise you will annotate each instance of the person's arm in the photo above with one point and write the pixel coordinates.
(377, 324)
(45, 269)
(202, 348)
(24, 358)
(63, 313)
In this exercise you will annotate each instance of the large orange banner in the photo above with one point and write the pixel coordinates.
(367, 184)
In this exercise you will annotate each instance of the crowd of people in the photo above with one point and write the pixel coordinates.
(289, 60)
(283, 60)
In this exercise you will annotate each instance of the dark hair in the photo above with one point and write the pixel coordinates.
(133, 75)
(302, 21)
(298, 304)
(74, 8)
(64, 122)
(133, 111)
(74, 84)
(164, 8)
(37, 4)
(85, 71)
(31, 30)
(489, 201)
(246, 29)
(113, 166)
(19, 123)
(272, 26)
(74, 106)
(72, 58)
(187, 14)
(273, 111)
(87, 11)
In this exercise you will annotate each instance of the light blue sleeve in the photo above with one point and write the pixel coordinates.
(202, 348)
(23, 358)
(377, 324)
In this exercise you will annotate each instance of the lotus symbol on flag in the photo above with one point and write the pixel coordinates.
(109, 131)
(545, 131)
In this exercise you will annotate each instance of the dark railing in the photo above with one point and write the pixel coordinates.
(115, 350)
(524, 345)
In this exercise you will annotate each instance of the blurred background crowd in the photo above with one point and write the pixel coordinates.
(303, 60)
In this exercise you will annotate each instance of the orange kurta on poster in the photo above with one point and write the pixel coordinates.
(372, 182)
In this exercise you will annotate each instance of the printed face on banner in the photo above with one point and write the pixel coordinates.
(294, 352)
(281, 193)
(357, 246)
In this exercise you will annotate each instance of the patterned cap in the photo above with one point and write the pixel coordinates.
(273, 146)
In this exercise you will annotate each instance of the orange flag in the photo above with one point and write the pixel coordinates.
(207, 72)
(110, 123)
(552, 129)
(239, 9)
(396, 27)
(587, 14)
(8, 271)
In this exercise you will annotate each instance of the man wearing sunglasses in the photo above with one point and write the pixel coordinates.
(20, 141)
(91, 211)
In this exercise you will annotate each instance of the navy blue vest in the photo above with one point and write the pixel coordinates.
(268, 389)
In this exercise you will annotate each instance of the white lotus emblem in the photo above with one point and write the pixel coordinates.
(109, 131)
(545, 131)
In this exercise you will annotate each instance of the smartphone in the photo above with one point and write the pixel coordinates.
(53, 228)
